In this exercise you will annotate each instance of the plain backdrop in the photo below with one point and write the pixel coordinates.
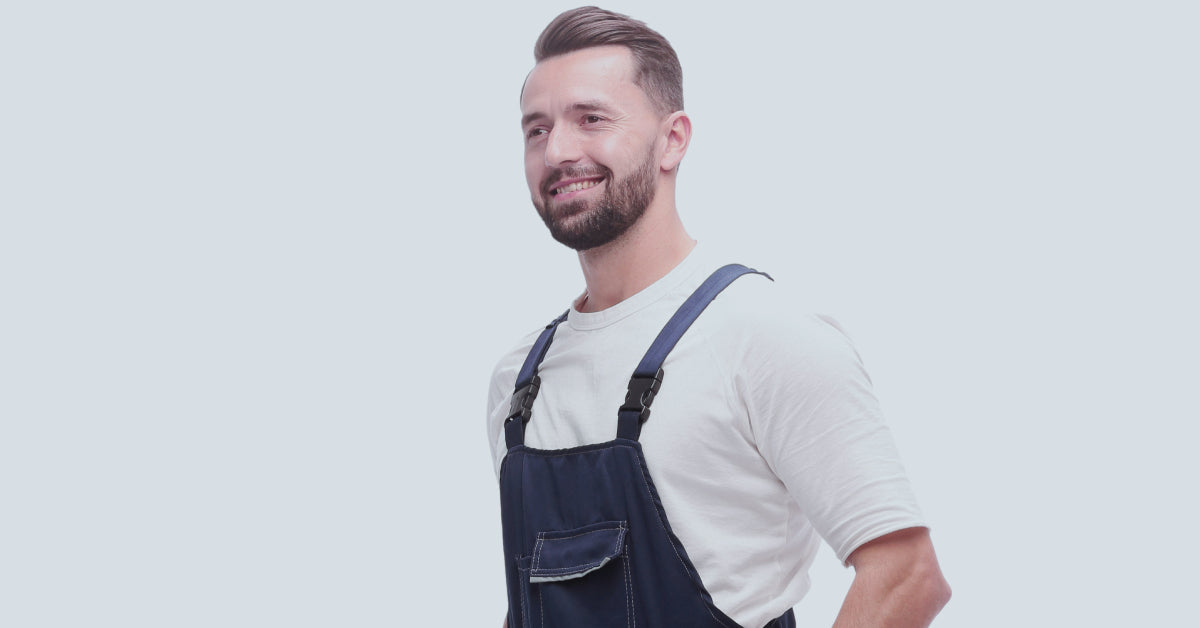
(257, 260)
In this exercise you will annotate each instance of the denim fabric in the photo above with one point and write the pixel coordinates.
(594, 514)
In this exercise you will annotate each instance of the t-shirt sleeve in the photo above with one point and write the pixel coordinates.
(500, 390)
(819, 426)
(495, 399)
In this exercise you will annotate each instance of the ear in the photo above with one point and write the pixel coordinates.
(677, 128)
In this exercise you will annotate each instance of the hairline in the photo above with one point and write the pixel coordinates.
(660, 106)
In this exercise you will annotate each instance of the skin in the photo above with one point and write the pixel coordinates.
(583, 113)
(897, 583)
(582, 110)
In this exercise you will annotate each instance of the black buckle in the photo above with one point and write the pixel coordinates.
(641, 394)
(522, 401)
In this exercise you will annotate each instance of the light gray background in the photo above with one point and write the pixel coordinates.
(257, 260)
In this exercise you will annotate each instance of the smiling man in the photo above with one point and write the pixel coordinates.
(582, 201)
(765, 436)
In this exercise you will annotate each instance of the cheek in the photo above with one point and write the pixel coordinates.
(534, 170)
(624, 154)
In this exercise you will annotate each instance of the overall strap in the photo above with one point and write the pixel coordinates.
(647, 377)
(527, 386)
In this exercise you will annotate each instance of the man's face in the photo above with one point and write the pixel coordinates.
(591, 160)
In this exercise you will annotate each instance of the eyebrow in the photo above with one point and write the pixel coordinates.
(586, 105)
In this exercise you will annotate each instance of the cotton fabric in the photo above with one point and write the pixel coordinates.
(765, 437)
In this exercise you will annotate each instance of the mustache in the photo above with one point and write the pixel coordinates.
(571, 172)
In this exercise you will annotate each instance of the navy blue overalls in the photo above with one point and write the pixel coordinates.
(586, 540)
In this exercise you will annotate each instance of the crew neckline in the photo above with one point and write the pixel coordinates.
(584, 321)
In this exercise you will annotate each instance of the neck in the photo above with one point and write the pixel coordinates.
(646, 253)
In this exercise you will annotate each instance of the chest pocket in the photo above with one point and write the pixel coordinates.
(579, 578)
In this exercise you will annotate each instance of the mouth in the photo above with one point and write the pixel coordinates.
(570, 188)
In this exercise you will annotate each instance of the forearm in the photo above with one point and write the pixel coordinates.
(906, 593)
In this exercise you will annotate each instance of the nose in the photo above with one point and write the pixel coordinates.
(562, 146)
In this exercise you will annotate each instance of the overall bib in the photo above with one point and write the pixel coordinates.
(586, 539)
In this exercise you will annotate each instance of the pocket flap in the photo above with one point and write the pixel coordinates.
(576, 553)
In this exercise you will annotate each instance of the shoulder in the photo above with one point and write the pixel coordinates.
(504, 372)
(762, 319)
(500, 389)
(785, 361)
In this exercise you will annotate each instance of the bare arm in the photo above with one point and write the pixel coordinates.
(897, 583)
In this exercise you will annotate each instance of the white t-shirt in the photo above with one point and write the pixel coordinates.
(765, 433)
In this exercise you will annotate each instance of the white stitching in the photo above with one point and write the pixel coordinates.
(558, 571)
(620, 525)
(630, 617)
(537, 550)
(663, 526)
(611, 445)
(524, 604)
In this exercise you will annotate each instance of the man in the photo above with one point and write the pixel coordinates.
(764, 434)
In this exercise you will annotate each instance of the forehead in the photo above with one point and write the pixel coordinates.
(603, 73)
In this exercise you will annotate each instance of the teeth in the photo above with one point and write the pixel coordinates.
(575, 187)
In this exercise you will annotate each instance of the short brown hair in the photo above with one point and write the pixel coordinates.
(657, 69)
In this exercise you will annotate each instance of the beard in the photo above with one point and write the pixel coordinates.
(584, 225)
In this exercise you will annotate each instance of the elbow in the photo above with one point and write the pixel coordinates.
(926, 581)
(941, 594)
(902, 570)
(934, 589)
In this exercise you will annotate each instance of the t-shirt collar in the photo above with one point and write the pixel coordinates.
(648, 295)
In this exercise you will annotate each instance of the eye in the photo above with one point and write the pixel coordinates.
(592, 118)
(535, 132)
